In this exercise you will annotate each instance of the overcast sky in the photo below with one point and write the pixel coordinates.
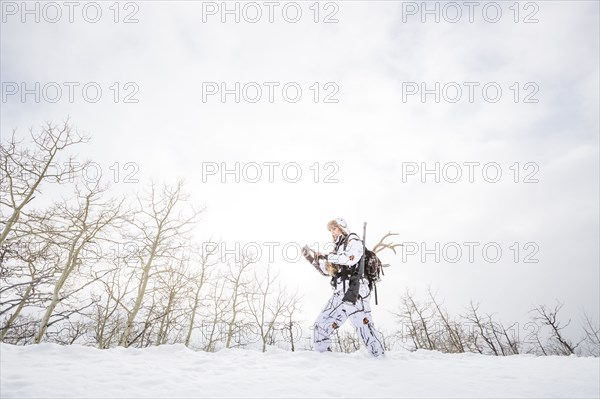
(369, 134)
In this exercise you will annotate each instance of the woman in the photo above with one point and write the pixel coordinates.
(341, 264)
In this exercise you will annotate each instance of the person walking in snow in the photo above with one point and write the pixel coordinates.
(341, 264)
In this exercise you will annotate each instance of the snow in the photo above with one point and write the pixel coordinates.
(53, 371)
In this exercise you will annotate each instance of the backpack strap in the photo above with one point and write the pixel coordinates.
(347, 239)
(343, 274)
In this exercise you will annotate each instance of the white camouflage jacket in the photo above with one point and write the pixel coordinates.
(348, 256)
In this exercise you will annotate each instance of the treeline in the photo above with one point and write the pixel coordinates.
(104, 271)
(427, 324)
(108, 272)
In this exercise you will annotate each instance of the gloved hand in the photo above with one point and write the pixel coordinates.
(307, 253)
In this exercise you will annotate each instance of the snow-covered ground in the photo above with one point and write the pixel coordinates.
(52, 371)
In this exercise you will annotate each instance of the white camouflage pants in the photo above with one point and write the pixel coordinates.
(335, 313)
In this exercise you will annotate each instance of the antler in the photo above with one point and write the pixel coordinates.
(382, 245)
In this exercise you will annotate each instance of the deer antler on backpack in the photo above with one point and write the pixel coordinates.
(380, 246)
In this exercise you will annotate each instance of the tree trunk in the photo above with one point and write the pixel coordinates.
(140, 296)
(70, 266)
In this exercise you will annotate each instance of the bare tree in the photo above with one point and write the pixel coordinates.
(69, 333)
(346, 341)
(239, 283)
(388, 339)
(291, 329)
(107, 319)
(487, 336)
(268, 305)
(198, 281)
(592, 336)
(218, 300)
(84, 223)
(453, 334)
(481, 331)
(511, 340)
(159, 227)
(24, 170)
(559, 344)
(171, 284)
(22, 331)
(29, 261)
(419, 321)
(26, 267)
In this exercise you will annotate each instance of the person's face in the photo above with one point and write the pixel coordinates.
(335, 232)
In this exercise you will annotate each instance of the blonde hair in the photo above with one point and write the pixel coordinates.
(333, 223)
